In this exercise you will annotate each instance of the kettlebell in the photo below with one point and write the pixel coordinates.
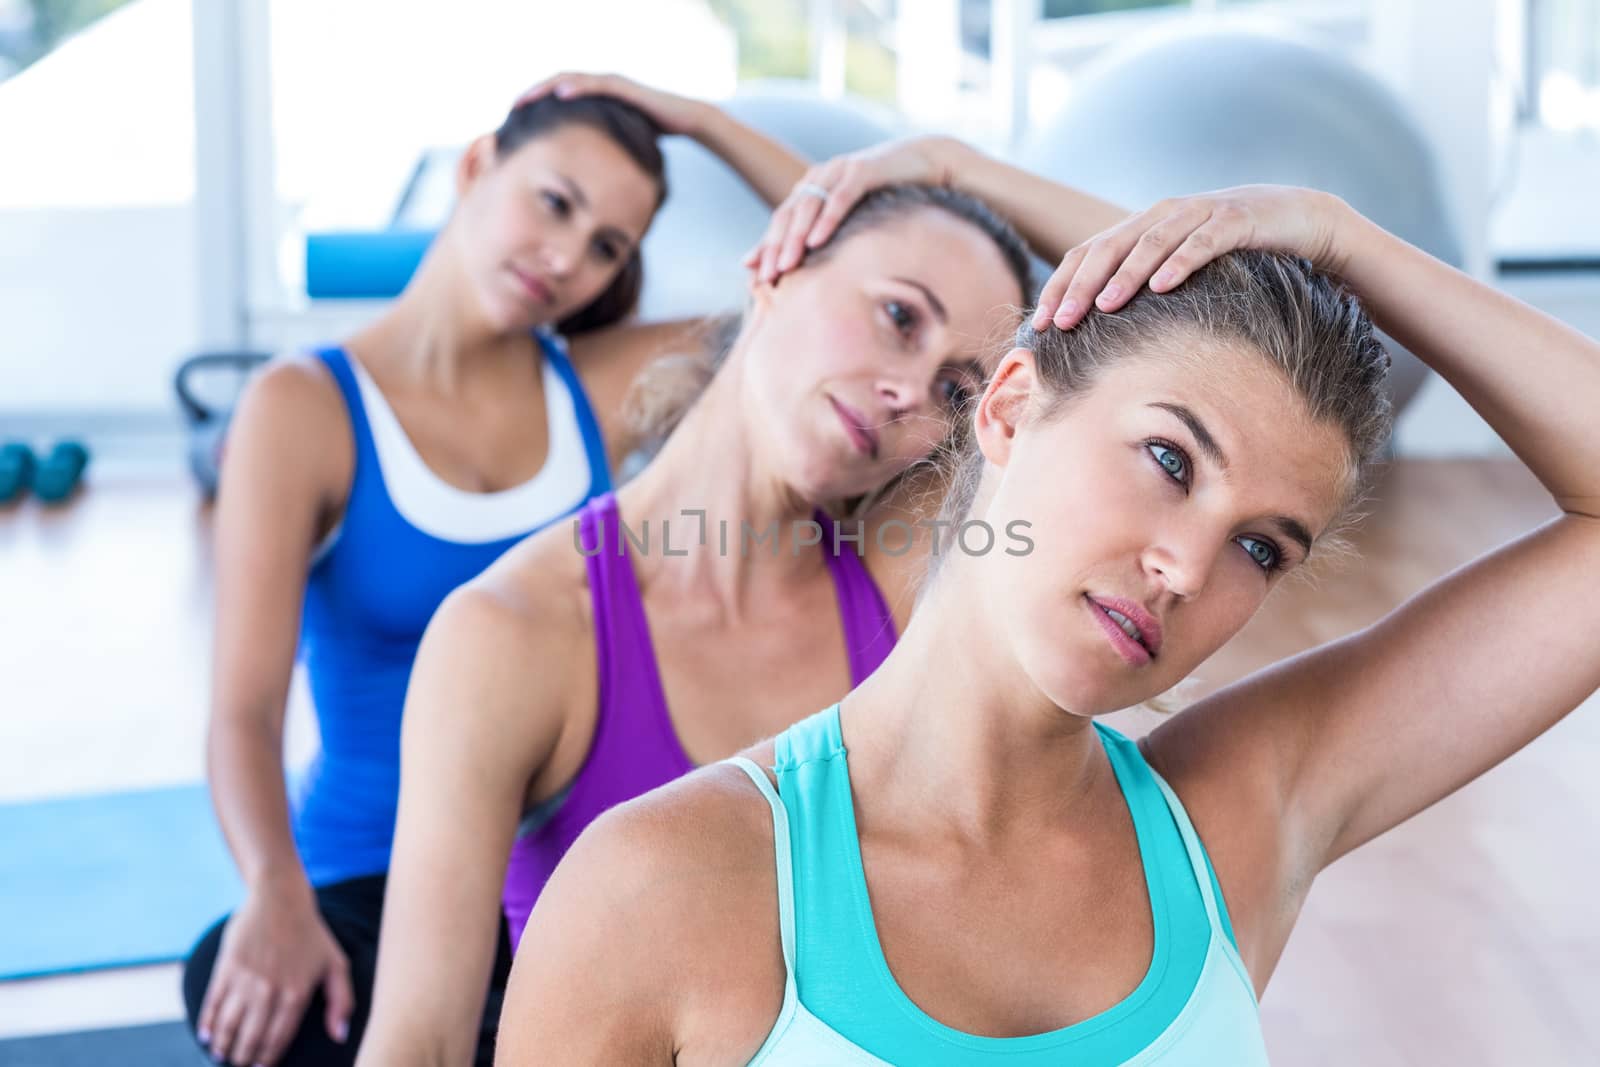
(208, 419)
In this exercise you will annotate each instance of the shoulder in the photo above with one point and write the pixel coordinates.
(714, 819)
(291, 385)
(632, 343)
(523, 624)
(664, 913)
(290, 429)
(692, 861)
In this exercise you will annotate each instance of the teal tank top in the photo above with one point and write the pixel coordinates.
(842, 1006)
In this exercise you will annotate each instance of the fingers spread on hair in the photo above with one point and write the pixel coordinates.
(1056, 287)
(1100, 258)
(771, 241)
(801, 218)
(1151, 250)
(1199, 248)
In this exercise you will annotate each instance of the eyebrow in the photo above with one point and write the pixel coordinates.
(938, 307)
(582, 201)
(1202, 436)
(1292, 528)
(574, 191)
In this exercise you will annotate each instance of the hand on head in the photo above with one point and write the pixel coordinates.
(673, 113)
(1170, 241)
(825, 194)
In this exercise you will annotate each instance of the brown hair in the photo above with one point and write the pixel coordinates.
(1304, 323)
(636, 134)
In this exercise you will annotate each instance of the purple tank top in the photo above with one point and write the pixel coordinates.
(635, 748)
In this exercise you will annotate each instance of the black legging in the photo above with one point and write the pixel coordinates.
(353, 911)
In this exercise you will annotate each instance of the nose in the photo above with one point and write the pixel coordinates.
(1182, 562)
(898, 393)
(560, 253)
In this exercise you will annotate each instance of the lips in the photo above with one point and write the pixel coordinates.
(534, 286)
(1133, 631)
(861, 435)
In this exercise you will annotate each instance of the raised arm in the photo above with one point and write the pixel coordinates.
(484, 711)
(1361, 734)
(769, 167)
(1051, 217)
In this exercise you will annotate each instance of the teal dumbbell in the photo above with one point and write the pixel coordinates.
(16, 470)
(59, 473)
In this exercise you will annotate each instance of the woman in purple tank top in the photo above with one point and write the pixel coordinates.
(707, 604)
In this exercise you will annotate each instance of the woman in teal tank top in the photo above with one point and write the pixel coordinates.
(958, 864)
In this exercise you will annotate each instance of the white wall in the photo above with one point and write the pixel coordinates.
(96, 307)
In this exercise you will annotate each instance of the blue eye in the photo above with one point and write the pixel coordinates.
(1174, 462)
(1263, 553)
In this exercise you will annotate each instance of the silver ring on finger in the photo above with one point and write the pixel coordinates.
(812, 189)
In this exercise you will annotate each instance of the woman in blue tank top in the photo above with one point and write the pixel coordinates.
(959, 865)
(364, 482)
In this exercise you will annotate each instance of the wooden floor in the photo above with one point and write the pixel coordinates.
(1468, 936)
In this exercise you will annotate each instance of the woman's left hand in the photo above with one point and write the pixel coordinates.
(1175, 238)
(673, 113)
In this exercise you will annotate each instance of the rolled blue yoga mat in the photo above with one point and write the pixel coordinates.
(111, 880)
(362, 265)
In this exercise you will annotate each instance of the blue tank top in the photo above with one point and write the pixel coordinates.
(407, 539)
(842, 1006)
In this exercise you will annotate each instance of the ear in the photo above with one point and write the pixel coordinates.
(1004, 405)
(474, 164)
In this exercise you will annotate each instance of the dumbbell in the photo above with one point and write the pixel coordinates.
(16, 470)
(61, 472)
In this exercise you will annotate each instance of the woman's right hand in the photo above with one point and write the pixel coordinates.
(275, 952)
(825, 194)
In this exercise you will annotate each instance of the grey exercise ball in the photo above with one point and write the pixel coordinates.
(711, 218)
(1191, 111)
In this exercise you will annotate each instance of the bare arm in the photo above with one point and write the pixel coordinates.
(1348, 740)
(1488, 658)
(1051, 217)
(484, 710)
(282, 471)
(768, 166)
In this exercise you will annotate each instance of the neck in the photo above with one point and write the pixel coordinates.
(433, 335)
(971, 744)
(715, 461)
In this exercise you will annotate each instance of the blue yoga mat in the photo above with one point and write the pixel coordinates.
(112, 880)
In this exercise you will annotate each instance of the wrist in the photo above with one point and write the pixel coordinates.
(1345, 229)
(704, 122)
(285, 884)
(956, 163)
